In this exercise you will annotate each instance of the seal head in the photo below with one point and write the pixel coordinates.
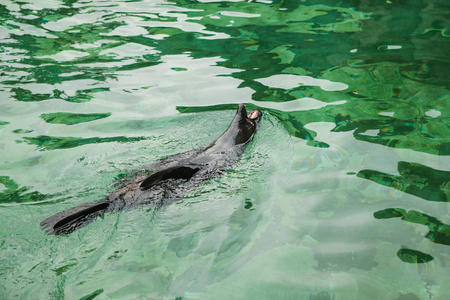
(242, 128)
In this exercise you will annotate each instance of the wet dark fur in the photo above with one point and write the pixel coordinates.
(166, 181)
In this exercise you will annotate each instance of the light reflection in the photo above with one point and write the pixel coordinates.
(285, 81)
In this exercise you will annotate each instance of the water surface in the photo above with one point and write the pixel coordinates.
(342, 195)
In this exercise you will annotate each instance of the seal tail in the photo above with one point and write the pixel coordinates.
(74, 218)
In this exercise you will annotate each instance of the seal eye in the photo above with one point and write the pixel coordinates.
(253, 114)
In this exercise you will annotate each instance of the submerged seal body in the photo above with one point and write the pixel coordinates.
(167, 180)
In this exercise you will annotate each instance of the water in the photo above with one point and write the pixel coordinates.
(342, 195)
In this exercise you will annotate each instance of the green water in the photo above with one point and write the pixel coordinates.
(342, 195)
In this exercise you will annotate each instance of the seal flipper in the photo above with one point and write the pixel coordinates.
(180, 172)
(74, 218)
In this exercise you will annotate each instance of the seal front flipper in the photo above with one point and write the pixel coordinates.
(74, 218)
(179, 172)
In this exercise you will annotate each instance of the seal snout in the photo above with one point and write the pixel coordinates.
(243, 118)
(254, 114)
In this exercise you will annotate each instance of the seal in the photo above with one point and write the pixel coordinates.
(167, 180)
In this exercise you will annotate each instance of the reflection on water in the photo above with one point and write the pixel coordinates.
(80, 96)
(414, 256)
(415, 179)
(72, 119)
(439, 232)
(12, 193)
(44, 142)
(347, 87)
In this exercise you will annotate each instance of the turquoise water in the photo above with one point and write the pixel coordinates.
(343, 194)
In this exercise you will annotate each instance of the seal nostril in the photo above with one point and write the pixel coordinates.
(253, 114)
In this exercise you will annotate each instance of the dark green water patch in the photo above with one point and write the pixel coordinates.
(249, 204)
(21, 94)
(80, 96)
(389, 213)
(438, 232)
(22, 131)
(72, 119)
(92, 295)
(413, 256)
(13, 193)
(219, 107)
(67, 266)
(45, 142)
(415, 179)
(3, 123)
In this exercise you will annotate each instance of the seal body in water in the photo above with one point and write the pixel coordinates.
(168, 180)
